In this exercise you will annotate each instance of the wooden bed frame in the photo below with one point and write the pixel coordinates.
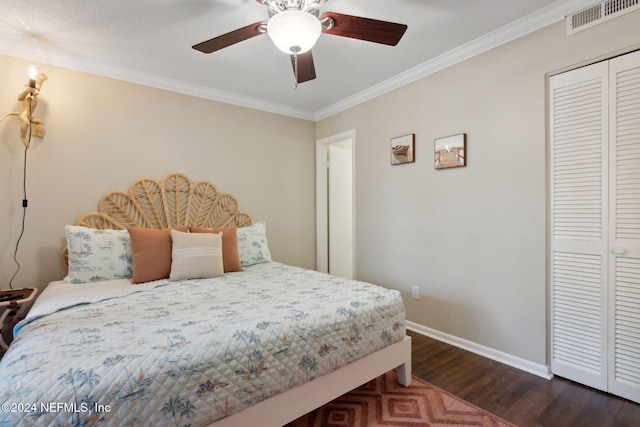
(176, 200)
(294, 403)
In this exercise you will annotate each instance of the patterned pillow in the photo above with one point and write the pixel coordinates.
(96, 255)
(252, 244)
(196, 255)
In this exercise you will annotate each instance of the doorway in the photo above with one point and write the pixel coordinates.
(334, 204)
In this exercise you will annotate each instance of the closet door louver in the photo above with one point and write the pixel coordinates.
(595, 225)
(579, 223)
(624, 263)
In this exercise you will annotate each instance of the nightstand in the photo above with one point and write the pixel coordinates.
(13, 298)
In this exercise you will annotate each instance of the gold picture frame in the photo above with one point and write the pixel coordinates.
(450, 151)
(403, 149)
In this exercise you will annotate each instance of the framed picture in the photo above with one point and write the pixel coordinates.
(403, 149)
(450, 151)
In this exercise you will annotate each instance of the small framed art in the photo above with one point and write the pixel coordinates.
(403, 149)
(450, 151)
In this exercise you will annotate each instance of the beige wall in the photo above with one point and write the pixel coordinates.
(473, 239)
(101, 134)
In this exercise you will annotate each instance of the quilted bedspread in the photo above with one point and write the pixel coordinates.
(187, 353)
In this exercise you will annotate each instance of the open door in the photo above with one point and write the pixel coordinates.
(334, 201)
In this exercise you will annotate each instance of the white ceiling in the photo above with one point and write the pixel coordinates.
(149, 42)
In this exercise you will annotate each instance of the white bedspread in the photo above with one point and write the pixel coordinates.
(188, 352)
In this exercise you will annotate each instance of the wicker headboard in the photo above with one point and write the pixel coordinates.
(173, 200)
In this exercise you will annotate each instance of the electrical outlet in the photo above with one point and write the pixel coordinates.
(415, 292)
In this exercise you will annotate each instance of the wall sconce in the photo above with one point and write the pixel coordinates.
(29, 125)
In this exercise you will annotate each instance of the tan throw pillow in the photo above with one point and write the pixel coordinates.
(151, 252)
(196, 255)
(230, 255)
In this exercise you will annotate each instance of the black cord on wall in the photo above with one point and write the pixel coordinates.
(25, 202)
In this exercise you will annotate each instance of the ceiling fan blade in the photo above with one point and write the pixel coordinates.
(230, 38)
(306, 70)
(368, 29)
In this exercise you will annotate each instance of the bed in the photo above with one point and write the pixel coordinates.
(250, 341)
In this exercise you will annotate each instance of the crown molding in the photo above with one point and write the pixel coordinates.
(164, 83)
(516, 29)
(214, 95)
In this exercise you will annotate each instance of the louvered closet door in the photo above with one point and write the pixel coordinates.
(579, 224)
(624, 263)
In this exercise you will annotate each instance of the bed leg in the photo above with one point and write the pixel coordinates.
(404, 374)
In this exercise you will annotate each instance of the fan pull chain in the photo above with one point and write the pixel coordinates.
(295, 70)
(295, 50)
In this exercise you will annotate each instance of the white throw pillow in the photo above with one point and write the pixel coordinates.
(196, 255)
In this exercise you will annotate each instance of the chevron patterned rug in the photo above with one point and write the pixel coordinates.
(384, 402)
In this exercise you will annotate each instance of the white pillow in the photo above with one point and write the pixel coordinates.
(196, 255)
(252, 244)
(97, 255)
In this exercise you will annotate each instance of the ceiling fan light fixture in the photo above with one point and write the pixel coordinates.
(294, 31)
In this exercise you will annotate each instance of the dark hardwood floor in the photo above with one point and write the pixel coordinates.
(517, 396)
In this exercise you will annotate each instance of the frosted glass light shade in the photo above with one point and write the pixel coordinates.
(294, 31)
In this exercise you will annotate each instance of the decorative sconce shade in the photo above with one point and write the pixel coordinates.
(33, 73)
(294, 31)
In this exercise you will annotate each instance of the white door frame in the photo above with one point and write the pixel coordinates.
(322, 193)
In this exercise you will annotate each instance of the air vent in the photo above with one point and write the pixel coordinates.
(599, 13)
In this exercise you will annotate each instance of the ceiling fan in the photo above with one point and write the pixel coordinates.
(295, 26)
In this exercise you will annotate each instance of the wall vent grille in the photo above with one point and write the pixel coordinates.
(599, 13)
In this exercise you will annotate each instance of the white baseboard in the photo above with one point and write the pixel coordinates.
(543, 371)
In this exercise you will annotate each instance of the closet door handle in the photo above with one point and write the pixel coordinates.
(618, 251)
